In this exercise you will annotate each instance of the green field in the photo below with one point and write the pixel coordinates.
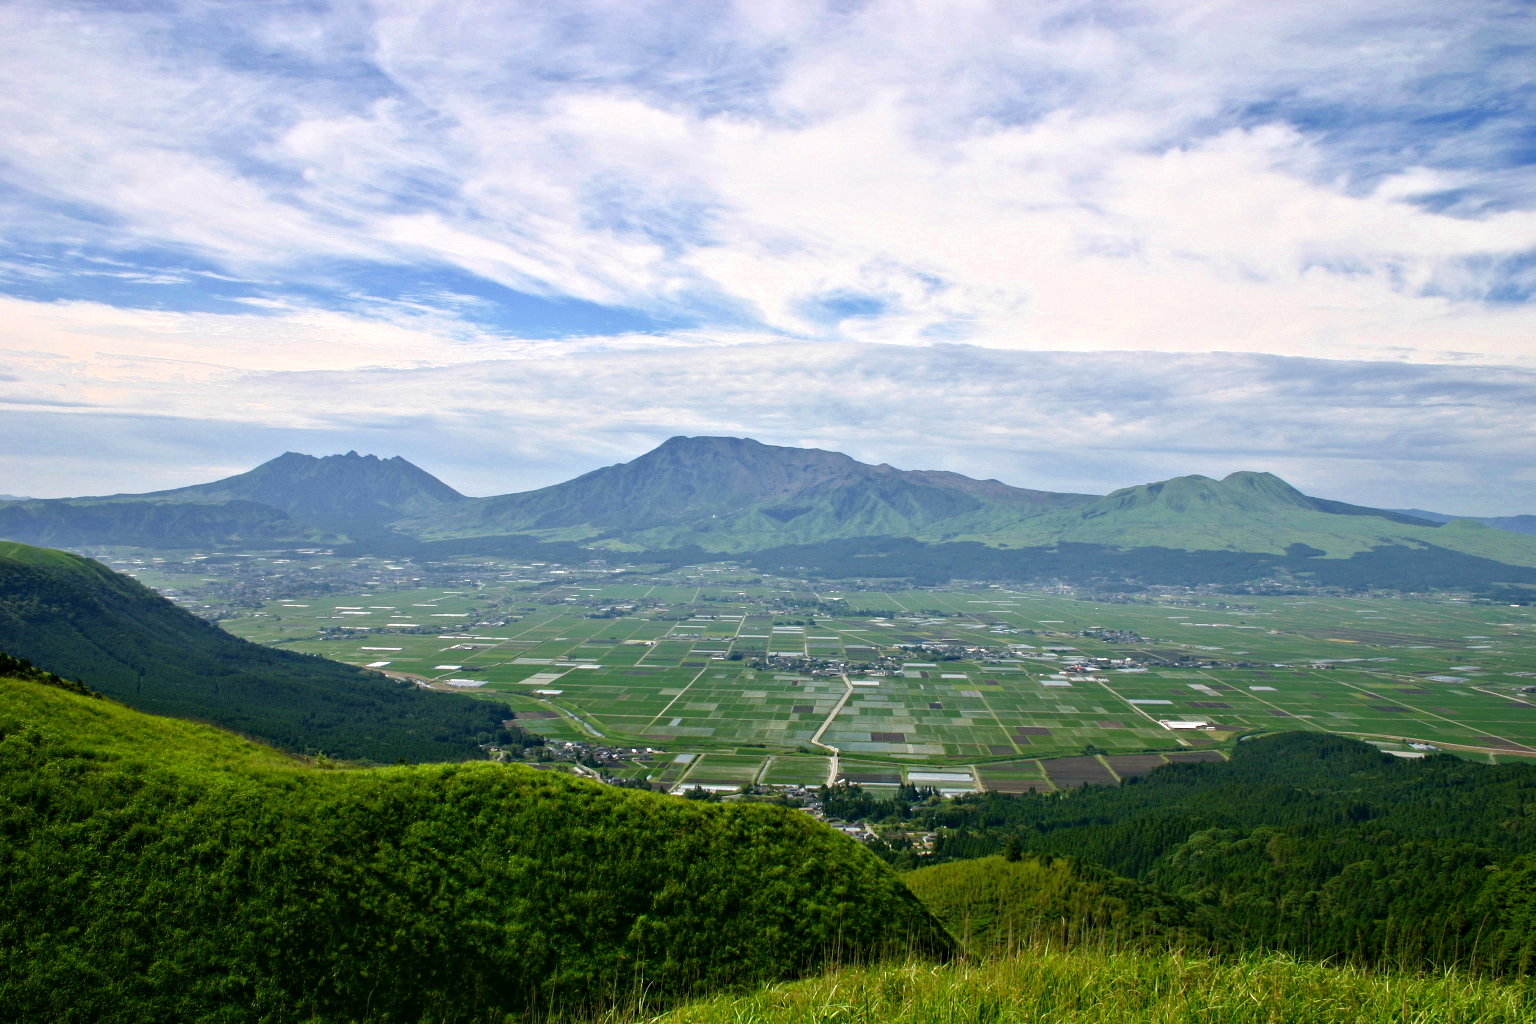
(663, 673)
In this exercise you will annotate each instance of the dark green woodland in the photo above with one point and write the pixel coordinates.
(1305, 843)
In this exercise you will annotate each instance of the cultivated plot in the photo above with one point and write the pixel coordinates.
(998, 685)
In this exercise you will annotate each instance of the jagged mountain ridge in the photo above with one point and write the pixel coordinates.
(735, 496)
(729, 493)
(292, 499)
(336, 492)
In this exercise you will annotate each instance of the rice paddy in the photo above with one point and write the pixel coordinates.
(665, 662)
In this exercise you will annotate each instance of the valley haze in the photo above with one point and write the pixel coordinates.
(700, 497)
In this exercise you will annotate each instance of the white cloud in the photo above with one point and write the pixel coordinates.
(1370, 432)
(1123, 209)
(1062, 175)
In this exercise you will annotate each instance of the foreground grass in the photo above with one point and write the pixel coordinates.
(1055, 987)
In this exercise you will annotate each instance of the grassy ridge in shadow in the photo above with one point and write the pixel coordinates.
(76, 617)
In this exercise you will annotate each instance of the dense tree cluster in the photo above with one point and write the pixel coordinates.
(1304, 842)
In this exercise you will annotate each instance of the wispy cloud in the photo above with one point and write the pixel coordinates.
(1276, 177)
(582, 227)
(494, 421)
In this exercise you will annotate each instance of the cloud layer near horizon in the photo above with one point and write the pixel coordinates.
(1365, 431)
(311, 219)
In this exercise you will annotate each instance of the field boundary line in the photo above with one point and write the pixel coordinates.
(833, 768)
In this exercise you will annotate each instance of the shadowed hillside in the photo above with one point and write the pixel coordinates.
(78, 618)
(1316, 845)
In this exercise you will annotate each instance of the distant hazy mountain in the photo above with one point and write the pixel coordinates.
(87, 522)
(1517, 524)
(1255, 512)
(735, 494)
(293, 499)
(337, 492)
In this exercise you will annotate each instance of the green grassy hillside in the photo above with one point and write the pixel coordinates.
(995, 905)
(1253, 512)
(161, 871)
(76, 617)
(1090, 986)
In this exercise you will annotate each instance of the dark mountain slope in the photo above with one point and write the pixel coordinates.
(76, 617)
(77, 522)
(1305, 842)
(1393, 567)
(337, 492)
(729, 493)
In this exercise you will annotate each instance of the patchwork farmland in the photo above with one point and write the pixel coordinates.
(726, 678)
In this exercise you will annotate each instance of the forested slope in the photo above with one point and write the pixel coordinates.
(160, 871)
(78, 618)
(1303, 842)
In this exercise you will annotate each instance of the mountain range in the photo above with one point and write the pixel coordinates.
(697, 496)
(1519, 524)
(729, 494)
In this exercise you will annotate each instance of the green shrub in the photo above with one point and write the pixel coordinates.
(995, 905)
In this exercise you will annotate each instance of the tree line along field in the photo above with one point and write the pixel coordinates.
(667, 665)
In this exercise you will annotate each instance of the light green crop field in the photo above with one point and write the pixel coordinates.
(1386, 670)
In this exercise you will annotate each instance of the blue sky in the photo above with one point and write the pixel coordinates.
(231, 228)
